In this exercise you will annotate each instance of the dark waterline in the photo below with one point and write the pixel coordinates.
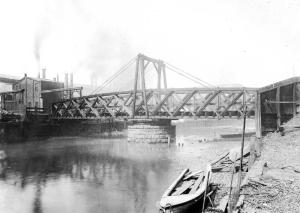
(95, 175)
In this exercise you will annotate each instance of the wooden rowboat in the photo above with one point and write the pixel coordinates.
(187, 192)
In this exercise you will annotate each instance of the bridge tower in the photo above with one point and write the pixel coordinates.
(149, 130)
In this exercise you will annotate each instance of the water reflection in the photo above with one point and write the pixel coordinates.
(92, 175)
(121, 174)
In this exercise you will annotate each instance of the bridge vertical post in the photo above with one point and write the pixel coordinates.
(294, 99)
(278, 107)
(159, 80)
(163, 68)
(218, 106)
(165, 75)
(258, 115)
(142, 66)
(135, 84)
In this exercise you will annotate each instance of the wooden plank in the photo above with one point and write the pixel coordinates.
(193, 174)
(173, 185)
(223, 204)
(183, 188)
(196, 184)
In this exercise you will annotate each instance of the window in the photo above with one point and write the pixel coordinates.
(36, 87)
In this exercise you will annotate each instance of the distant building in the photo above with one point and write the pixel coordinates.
(27, 93)
(32, 92)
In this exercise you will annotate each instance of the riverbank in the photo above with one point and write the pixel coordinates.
(273, 183)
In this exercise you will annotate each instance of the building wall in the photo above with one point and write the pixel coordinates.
(49, 98)
(32, 93)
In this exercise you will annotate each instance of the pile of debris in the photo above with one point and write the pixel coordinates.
(273, 183)
(291, 125)
(6, 116)
(269, 195)
(224, 163)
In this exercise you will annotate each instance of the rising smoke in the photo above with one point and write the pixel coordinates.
(101, 50)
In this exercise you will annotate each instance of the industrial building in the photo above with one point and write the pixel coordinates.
(31, 94)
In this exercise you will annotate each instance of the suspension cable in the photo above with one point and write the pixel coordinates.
(114, 76)
(190, 75)
(186, 76)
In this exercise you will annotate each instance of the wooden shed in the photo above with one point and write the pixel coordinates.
(276, 104)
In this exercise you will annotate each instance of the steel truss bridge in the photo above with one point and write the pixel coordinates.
(161, 102)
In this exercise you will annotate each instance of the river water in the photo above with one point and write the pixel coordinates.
(95, 174)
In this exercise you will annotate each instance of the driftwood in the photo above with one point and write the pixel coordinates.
(256, 182)
(220, 158)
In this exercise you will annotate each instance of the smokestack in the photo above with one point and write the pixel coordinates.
(71, 79)
(39, 75)
(66, 80)
(57, 78)
(44, 73)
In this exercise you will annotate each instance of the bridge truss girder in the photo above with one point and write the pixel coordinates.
(160, 103)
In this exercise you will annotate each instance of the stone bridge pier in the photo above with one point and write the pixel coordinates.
(151, 131)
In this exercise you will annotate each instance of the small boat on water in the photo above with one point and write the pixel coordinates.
(187, 192)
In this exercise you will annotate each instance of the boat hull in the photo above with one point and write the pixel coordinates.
(194, 205)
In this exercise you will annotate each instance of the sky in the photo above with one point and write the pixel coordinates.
(250, 42)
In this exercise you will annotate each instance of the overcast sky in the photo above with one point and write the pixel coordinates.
(249, 42)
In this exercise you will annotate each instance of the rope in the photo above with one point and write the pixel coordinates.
(192, 76)
(114, 76)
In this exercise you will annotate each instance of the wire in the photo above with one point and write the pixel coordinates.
(192, 76)
(186, 76)
(115, 75)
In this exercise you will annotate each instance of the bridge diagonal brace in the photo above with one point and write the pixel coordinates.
(105, 104)
(207, 102)
(127, 99)
(232, 103)
(91, 107)
(121, 103)
(77, 108)
(162, 102)
(186, 98)
(148, 96)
